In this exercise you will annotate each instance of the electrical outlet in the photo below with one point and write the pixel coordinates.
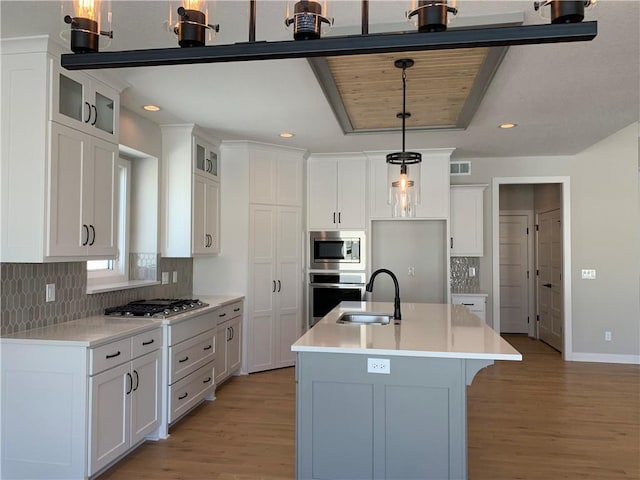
(165, 278)
(607, 336)
(588, 274)
(379, 365)
(50, 292)
(175, 276)
(472, 271)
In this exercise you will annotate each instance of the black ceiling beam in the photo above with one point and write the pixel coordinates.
(336, 46)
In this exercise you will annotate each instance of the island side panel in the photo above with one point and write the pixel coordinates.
(350, 424)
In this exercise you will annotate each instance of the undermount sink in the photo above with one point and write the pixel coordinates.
(365, 319)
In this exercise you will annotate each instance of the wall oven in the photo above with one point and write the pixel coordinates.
(327, 290)
(337, 250)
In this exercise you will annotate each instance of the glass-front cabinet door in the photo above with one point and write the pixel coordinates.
(83, 103)
(205, 161)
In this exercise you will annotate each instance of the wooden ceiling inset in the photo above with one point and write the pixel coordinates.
(444, 87)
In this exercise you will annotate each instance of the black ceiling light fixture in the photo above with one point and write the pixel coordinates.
(85, 25)
(433, 14)
(191, 26)
(563, 11)
(307, 19)
(313, 46)
(404, 193)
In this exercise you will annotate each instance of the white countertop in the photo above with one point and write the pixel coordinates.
(426, 330)
(100, 329)
(470, 294)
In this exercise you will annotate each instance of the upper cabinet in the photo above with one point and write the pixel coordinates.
(191, 192)
(434, 185)
(337, 192)
(275, 176)
(84, 103)
(58, 157)
(466, 220)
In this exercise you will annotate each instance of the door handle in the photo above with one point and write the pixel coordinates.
(339, 217)
(548, 285)
(273, 290)
(279, 286)
(130, 384)
(86, 230)
(93, 236)
(137, 380)
(95, 117)
(334, 217)
(89, 111)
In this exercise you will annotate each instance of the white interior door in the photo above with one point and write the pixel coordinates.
(549, 240)
(514, 265)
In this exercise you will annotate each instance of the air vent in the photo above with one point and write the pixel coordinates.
(460, 168)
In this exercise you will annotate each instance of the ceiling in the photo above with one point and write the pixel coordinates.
(564, 97)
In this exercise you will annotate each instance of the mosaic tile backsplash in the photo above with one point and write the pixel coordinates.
(461, 282)
(22, 292)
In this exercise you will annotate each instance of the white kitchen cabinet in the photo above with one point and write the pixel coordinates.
(84, 103)
(434, 185)
(124, 400)
(476, 303)
(49, 169)
(275, 296)
(191, 187)
(466, 220)
(206, 208)
(336, 192)
(82, 195)
(228, 341)
(275, 176)
(71, 409)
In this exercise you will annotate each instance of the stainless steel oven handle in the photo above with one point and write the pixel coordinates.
(337, 285)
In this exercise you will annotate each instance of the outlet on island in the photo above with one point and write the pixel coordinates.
(165, 278)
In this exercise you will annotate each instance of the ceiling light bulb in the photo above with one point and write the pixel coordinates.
(151, 108)
(507, 125)
(286, 135)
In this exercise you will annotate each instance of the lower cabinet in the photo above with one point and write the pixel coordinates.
(69, 411)
(476, 303)
(228, 342)
(125, 407)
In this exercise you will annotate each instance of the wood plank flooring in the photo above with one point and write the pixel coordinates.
(539, 419)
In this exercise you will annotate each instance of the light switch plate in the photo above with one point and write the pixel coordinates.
(588, 274)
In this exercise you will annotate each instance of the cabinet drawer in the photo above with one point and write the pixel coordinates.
(109, 355)
(189, 391)
(146, 342)
(191, 354)
(473, 303)
(228, 312)
(192, 327)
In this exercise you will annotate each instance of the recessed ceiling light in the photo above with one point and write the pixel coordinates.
(286, 134)
(151, 108)
(508, 125)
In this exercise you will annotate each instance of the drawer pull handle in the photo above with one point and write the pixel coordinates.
(208, 347)
(144, 344)
(183, 396)
(183, 360)
(114, 355)
(468, 304)
(207, 380)
(222, 315)
(236, 309)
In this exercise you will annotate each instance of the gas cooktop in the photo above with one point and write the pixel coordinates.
(156, 308)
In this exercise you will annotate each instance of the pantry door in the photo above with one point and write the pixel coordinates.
(549, 247)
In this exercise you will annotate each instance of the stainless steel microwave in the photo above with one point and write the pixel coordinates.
(337, 250)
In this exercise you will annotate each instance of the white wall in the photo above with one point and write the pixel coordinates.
(516, 197)
(140, 134)
(605, 233)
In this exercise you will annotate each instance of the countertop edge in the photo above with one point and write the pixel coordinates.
(408, 353)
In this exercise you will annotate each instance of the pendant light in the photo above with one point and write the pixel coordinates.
(87, 23)
(404, 193)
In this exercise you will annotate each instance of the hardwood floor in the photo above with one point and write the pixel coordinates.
(541, 418)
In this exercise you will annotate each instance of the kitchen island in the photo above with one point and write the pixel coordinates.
(389, 401)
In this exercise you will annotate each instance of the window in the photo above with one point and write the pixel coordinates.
(117, 270)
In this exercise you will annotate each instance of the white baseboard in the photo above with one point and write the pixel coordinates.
(604, 358)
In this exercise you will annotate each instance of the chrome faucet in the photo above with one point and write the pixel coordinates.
(396, 299)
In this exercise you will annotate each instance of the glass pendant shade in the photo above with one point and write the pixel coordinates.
(190, 25)
(404, 189)
(308, 18)
(90, 19)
